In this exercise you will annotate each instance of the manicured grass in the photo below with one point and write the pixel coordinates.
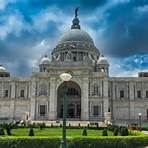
(57, 132)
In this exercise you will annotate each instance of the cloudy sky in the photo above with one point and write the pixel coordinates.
(31, 28)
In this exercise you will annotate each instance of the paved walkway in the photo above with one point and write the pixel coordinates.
(72, 123)
(145, 132)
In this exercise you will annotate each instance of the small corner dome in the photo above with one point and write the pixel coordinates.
(45, 60)
(102, 61)
(2, 69)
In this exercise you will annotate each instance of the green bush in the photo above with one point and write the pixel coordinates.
(84, 132)
(109, 142)
(104, 132)
(2, 131)
(24, 142)
(8, 130)
(79, 125)
(115, 133)
(84, 142)
(60, 125)
(112, 127)
(124, 131)
(42, 126)
(31, 132)
(88, 125)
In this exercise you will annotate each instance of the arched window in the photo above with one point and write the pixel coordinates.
(72, 91)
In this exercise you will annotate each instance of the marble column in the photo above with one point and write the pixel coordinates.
(11, 109)
(105, 96)
(33, 99)
(53, 100)
(131, 90)
(12, 90)
(85, 99)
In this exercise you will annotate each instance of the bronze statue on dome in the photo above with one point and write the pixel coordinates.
(76, 11)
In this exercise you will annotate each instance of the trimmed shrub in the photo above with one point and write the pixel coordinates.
(112, 127)
(60, 125)
(2, 131)
(116, 130)
(42, 126)
(88, 125)
(84, 132)
(124, 131)
(31, 132)
(8, 130)
(79, 125)
(104, 132)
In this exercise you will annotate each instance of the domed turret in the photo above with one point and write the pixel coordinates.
(103, 65)
(45, 60)
(102, 61)
(3, 72)
(2, 68)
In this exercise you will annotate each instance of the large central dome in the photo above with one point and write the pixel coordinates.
(76, 35)
(75, 40)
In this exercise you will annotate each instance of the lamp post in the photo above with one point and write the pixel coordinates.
(140, 120)
(64, 77)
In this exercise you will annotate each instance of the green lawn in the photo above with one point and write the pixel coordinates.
(57, 132)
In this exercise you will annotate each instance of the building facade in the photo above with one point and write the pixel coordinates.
(90, 94)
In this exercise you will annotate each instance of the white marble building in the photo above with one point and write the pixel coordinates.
(91, 91)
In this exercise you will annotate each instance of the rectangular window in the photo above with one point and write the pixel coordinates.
(22, 93)
(95, 111)
(6, 93)
(43, 110)
(139, 94)
(121, 94)
(146, 94)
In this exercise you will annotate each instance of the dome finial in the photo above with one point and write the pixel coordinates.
(76, 11)
(75, 21)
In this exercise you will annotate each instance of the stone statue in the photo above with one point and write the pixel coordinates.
(68, 56)
(76, 11)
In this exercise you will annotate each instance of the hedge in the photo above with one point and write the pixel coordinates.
(29, 142)
(109, 142)
(79, 142)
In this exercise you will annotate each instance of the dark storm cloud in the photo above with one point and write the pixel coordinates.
(125, 29)
(65, 3)
(18, 51)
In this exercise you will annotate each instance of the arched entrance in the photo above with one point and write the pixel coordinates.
(73, 97)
